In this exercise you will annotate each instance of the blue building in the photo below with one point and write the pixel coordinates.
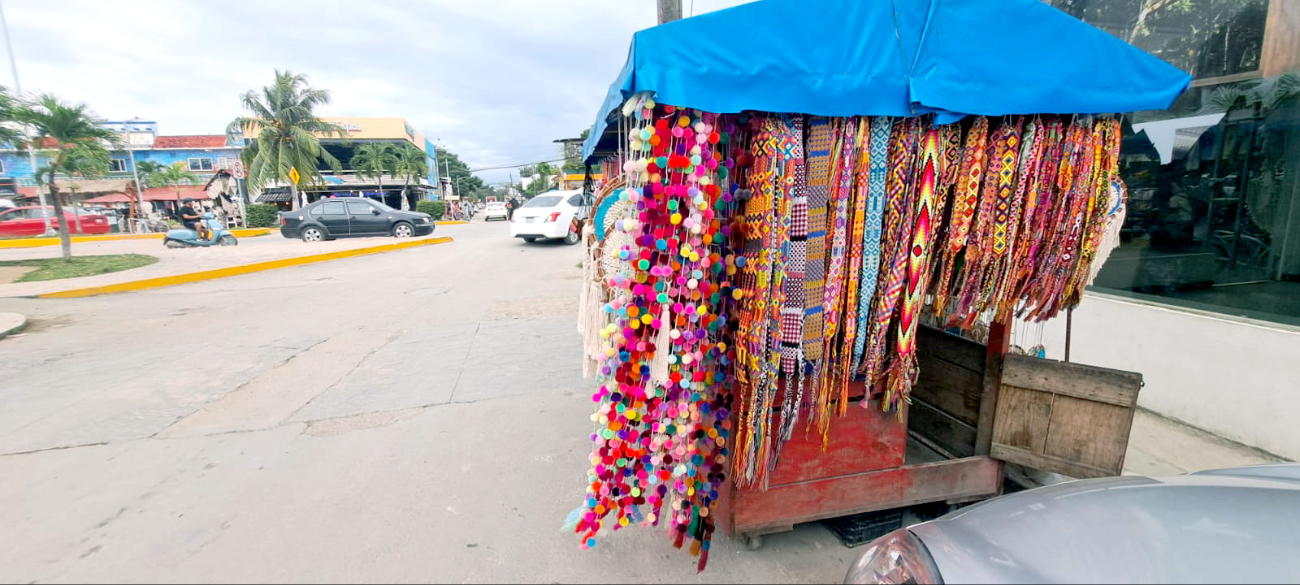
(202, 154)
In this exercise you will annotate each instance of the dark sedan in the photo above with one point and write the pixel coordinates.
(343, 217)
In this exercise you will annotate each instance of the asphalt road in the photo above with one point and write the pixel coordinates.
(417, 415)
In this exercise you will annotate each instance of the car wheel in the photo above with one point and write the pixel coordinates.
(312, 234)
(572, 238)
(403, 230)
(530, 239)
(228, 240)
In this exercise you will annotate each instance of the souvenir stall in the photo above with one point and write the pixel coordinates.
(806, 205)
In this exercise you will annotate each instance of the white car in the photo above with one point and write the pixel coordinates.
(495, 210)
(550, 216)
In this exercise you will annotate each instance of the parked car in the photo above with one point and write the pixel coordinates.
(352, 216)
(550, 216)
(1237, 525)
(30, 221)
(495, 210)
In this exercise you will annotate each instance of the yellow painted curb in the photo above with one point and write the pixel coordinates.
(46, 241)
(234, 270)
(451, 222)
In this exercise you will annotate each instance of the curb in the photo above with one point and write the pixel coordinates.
(46, 241)
(451, 222)
(228, 271)
(22, 324)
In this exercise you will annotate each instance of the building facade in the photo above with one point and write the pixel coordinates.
(1203, 295)
(347, 182)
(203, 155)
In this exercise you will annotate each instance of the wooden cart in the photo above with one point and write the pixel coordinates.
(973, 408)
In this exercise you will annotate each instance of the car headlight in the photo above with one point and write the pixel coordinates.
(895, 558)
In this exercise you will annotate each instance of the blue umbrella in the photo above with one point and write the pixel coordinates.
(889, 58)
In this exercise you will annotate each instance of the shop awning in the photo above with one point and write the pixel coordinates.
(110, 198)
(169, 193)
(889, 58)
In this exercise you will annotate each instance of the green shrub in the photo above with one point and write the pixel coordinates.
(434, 208)
(262, 215)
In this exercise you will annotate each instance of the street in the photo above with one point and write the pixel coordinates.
(416, 415)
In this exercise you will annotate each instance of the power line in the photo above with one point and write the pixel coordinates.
(516, 166)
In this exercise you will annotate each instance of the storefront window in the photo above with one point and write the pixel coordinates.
(1213, 218)
(1207, 38)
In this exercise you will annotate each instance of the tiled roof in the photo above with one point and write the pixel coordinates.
(199, 141)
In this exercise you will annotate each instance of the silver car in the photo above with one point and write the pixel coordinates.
(1221, 526)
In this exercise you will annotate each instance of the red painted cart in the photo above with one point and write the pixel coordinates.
(973, 408)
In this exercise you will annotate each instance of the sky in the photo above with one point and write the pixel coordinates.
(494, 81)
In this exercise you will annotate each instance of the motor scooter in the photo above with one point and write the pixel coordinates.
(188, 238)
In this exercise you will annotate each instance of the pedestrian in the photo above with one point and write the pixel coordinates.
(510, 209)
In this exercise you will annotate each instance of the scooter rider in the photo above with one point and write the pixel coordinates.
(191, 218)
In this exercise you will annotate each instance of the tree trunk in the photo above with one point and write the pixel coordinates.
(1146, 9)
(65, 238)
(293, 195)
(405, 187)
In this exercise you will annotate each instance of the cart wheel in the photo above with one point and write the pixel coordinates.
(754, 542)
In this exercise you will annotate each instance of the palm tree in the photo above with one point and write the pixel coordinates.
(9, 135)
(146, 169)
(73, 129)
(287, 133)
(374, 159)
(82, 162)
(173, 176)
(411, 163)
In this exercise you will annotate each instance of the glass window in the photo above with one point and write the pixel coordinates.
(360, 208)
(544, 201)
(576, 200)
(1213, 211)
(200, 164)
(11, 215)
(1207, 38)
(333, 208)
(2, 167)
(317, 210)
(117, 165)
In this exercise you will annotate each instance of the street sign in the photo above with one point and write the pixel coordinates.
(293, 175)
(239, 170)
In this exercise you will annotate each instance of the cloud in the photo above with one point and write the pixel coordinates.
(493, 80)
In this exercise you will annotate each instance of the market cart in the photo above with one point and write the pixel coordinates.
(974, 406)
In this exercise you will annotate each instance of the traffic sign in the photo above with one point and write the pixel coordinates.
(293, 175)
(239, 170)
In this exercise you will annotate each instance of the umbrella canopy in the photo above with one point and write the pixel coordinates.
(889, 58)
(110, 198)
(169, 193)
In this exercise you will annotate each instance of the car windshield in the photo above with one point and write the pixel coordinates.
(544, 201)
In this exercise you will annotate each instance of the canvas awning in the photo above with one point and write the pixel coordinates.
(88, 186)
(169, 193)
(110, 198)
(889, 58)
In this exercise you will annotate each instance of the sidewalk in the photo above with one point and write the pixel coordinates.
(1161, 446)
(172, 262)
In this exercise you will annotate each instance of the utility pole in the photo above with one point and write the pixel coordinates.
(31, 145)
(670, 10)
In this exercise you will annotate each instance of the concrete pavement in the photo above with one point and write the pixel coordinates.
(172, 262)
(11, 323)
(412, 416)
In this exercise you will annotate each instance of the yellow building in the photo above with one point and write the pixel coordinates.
(347, 182)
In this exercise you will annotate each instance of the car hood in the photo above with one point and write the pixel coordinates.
(1230, 525)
